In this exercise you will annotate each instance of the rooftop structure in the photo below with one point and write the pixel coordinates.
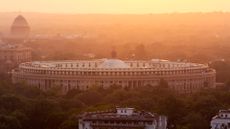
(221, 120)
(113, 63)
(125, 118)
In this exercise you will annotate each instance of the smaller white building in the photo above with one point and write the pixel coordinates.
(222, 120)
(122, 118)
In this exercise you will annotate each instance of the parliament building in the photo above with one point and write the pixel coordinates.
(84, 74)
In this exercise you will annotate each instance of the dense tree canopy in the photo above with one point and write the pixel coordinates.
(25, 107)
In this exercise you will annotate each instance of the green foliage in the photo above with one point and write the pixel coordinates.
(69, 124)
(90, 97)
(25, 107)
(196, 121)
(10, 102)
(9, 122)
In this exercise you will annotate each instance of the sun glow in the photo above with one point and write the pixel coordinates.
(114, 6)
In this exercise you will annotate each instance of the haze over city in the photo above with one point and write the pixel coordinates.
(114, 64)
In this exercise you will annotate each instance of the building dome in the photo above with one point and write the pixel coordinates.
(20, 28)
(113, 63)
(20, 21)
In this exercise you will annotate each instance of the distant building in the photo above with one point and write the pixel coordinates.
(221, 120)
(122, 118)
(11, 55)
(19, 32)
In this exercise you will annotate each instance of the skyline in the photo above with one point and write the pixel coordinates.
(115, 7)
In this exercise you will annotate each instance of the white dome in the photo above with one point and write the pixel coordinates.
(113, 63)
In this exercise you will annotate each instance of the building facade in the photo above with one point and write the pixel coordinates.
(80, 74)
(221, 120)
(122, 118)
(11, 55)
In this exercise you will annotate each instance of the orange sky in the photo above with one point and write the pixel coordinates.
(114, 6)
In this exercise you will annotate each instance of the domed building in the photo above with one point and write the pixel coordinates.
(113, 63)
(84, 74)
(20, 29)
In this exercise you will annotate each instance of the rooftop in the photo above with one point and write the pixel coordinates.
(119, 113)
(6, 46)
(223, 114)
(113, 63)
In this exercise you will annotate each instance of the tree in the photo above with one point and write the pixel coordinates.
(196, 121)
(55, 119)
(40, 111)
(206, 105)
(9, 122)
(10, 102)
(71, 123)
(173, 108)
(22, 118)
(90, 97)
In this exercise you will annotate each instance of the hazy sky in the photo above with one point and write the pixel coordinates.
(114, 6)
